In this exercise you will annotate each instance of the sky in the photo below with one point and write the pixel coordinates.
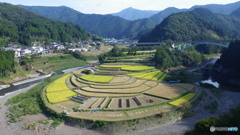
(113, 6)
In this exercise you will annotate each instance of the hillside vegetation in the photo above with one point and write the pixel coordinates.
(21, 26)
(184, 26)
(229, 60)
(101, 25)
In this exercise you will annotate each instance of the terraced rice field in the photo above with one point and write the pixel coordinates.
(58, 91)
(149, 100)
(77, 83)
(113, 104)
(130, 67)
(117, 97)
(182, 100)
(59, 84)
(87, 105)
(60, 96)
(120, 79)
(97, 104)
(131, 80)
(124, 86)
(155, 75)
(117, 90)
(151, 83)
(97, 78)
(166, 91)
(119, 66)
(92, 94)
(136, 68)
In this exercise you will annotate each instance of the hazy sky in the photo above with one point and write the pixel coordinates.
(112, 6)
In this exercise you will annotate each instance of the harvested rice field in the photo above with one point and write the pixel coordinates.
(120, 79)
(117, 90)
(137, 83)
(137, 92)
(166, 91)
(92, 94)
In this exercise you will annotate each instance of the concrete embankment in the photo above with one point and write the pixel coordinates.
(77, 68)
(32, 79)
(4, 86)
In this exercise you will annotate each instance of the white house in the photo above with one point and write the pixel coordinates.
(26, 51)
(38, 49)
(17, 51)
(84, 49)
(75, 49)
(60, 47)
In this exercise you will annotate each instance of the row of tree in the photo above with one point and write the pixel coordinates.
(7, 63)
(166, 57)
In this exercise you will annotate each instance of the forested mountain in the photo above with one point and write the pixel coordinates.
(102, 25)
(135, 14)
(229, 23)
(114, 26)
(185, 26)
(236, 13)
(226, 9)
(159, 17)
(22, 26)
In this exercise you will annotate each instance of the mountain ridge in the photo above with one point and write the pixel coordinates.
(133, 14)
(186, 26)
(102, 25)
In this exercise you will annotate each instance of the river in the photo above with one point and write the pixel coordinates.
(29, 82)
(209, 80)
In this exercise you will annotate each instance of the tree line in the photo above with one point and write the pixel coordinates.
(7, 63)
(167, 57)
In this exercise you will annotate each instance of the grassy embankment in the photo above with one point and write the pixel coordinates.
(28, 103)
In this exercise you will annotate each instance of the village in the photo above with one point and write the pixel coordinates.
(39, 48)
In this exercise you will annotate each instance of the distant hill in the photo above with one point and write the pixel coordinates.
(224, 9)
(135, 14)
(236, 13)
(117, 27)
(22, 26)
(185, 26)
(102, 25)
(159, 17)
